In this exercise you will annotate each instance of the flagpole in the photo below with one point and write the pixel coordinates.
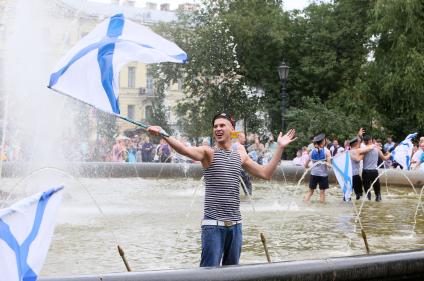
(140, 124)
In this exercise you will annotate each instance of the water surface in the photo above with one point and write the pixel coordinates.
(157, 223)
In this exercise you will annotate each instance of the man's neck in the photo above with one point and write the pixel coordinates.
(226, 145)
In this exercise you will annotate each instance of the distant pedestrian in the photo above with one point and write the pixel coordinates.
(336, 148)
(147, 150)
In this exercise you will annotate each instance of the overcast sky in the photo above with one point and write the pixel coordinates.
(288, 4)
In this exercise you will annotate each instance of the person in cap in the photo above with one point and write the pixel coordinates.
(221, 224)
(320, 155)
(369, 171)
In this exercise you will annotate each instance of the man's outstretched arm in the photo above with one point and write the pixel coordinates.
(196, 153)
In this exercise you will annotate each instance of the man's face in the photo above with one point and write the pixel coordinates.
(335, 142)
(422, 145)
(222, 129)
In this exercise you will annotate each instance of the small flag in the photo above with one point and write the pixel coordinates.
(26, 230)
(403, 152)
(89, 72)
(343, 170)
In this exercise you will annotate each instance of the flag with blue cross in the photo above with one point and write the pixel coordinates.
(26, 230)
(403, 152)
(342, 167)
(89, 72)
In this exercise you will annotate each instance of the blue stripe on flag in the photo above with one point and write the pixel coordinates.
(105, 60)
(116, 25)
(408, 162)
(21, 252)
(344, 173)
(6, 236)
(182, 57)
(55, 76)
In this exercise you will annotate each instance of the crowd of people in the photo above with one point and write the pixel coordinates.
(367, 155)
(302, 155)
(143, 149)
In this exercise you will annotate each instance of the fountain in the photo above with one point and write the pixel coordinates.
(153, 210)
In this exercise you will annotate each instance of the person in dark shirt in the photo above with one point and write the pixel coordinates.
(146, 150)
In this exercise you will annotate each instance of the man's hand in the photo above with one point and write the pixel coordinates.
(285, 140)
(361, 132)
(154, 130)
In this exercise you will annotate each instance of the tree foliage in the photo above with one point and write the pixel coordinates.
(315, 117)
(158, 116)
(395, 76)
(353, 64)
(212, 79)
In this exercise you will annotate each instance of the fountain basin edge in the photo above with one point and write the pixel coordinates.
(285, 171)
(407, 265)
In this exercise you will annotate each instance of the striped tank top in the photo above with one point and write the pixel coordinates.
(356, 166)
(222, 180)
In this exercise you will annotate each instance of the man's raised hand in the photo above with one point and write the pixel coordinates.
(285, 140)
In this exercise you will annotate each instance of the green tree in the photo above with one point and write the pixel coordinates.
(158, 116)
(212, 81)
(395, 76)
(326, 48)
(260, 29)
(314, 117)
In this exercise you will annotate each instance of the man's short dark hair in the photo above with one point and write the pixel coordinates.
(225, 116)
(367, 138)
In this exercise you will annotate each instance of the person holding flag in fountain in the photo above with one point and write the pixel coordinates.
(222, 222)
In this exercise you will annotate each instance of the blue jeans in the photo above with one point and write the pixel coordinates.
(220, 242)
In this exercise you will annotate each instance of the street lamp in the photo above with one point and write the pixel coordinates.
(283, 72)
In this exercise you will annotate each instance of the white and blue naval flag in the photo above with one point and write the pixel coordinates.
(90, 70)
(26, 230)
(342, 167)
(403, 152)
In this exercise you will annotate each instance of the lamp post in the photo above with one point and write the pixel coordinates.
(283, 72)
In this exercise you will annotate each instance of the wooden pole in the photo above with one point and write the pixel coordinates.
(265, 247)
(122, 254)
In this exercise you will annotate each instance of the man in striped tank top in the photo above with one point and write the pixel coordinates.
(221, 224)
(357, 155)
(369, 171)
